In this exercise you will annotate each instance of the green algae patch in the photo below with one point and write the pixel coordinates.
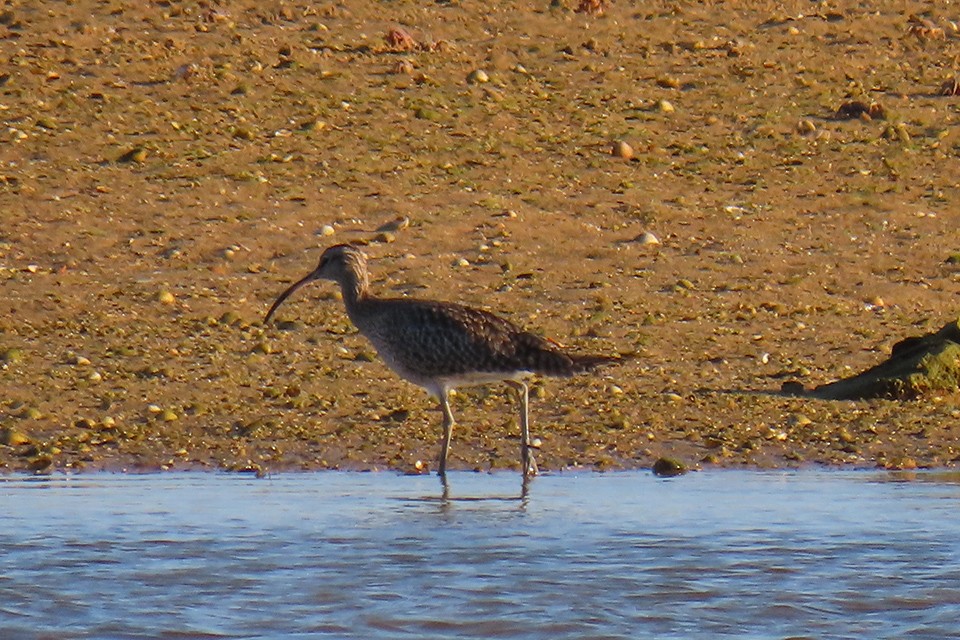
(918, 366)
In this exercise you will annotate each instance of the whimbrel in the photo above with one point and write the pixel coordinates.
(440, 345)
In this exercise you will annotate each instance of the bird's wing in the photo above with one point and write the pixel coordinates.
(441, 339)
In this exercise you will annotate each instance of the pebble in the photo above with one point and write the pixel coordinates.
(799, 420)
(668, 468)
(230, 318)
(621, 149)
(664, 106)
(875, 302)
(41, 462)
(165, 297)
(11, 355)
(136, 155)
(477, 76)
(896, 132)
(327, 230)
(404, 67)
(13, 438)
(647, 238)
(792, 388)
(668, 82)
(397, 224)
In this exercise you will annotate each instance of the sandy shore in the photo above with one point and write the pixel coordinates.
(167, 169)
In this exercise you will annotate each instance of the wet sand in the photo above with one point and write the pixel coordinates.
(167, 170)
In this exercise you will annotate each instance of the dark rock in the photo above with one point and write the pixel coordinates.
(668, 468)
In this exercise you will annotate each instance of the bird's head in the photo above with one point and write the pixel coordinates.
(341, 263)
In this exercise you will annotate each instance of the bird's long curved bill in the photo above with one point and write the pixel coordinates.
(286, 294)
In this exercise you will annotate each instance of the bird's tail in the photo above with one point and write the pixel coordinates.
(548, 357)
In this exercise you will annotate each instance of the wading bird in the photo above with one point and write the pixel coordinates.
(441, 345)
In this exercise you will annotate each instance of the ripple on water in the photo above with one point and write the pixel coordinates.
(625, 555)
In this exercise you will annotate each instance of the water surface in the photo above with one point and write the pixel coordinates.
(364, 555)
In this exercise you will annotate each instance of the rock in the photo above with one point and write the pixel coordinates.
(792, 388)
(621, 149)
(798, 420)
(477, 76)
(397, 224)
(858, 109)
(135, 155)
(668, 468)
(40, 463)
(917, 366)
(11, 355)
(12, 437)
(647, 238)
(230, 318)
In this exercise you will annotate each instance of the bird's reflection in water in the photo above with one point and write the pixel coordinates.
(447, 499)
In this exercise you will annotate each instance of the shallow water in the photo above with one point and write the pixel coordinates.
(361, 555)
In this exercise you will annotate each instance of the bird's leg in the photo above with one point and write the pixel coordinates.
(447, 431)
(527, 462)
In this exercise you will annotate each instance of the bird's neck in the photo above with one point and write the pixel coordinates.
(355, 289)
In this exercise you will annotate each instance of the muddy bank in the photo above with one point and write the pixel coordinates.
(166, 170)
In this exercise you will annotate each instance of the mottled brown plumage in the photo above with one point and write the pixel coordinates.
(440, 346)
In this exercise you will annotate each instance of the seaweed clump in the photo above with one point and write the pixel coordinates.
(917, 366)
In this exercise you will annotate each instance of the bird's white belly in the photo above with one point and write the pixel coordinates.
(441, 384)
(484, 377)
